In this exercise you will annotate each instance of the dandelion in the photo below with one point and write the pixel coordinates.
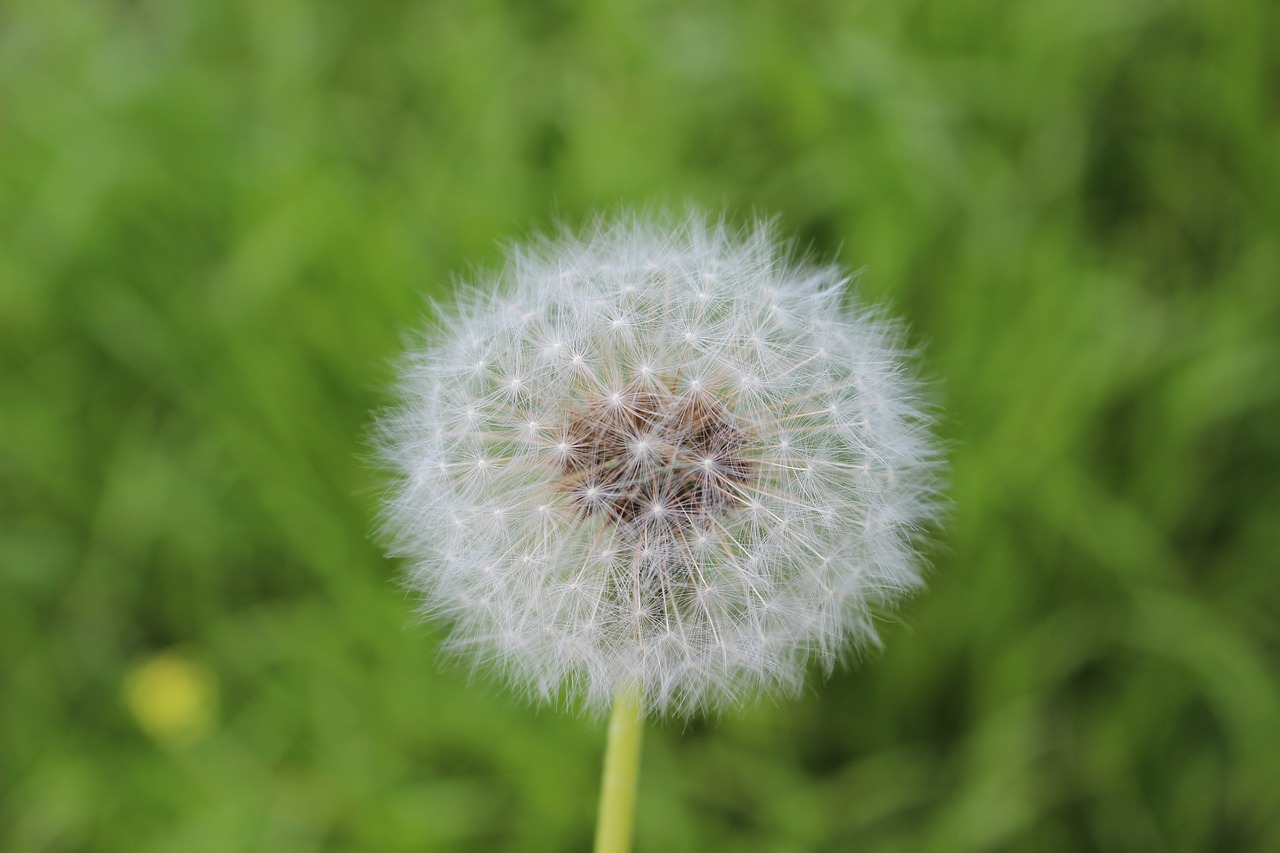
(660, 465)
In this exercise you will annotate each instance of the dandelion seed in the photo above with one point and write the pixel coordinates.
(663, 459)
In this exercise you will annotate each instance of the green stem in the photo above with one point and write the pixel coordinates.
(621, 772)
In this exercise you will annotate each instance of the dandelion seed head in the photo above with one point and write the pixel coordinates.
(659, 454)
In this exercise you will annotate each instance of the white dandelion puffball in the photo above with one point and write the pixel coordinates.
(663, 457)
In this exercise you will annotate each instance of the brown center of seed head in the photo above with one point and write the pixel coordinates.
(653, 458)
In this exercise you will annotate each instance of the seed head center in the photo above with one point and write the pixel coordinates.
(654, 457)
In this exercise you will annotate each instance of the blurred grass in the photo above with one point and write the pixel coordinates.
(217, 219)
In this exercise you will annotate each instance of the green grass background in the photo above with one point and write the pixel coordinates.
(218, 219)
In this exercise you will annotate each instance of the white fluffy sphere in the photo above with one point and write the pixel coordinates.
(659, 456)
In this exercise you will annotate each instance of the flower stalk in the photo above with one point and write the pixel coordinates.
(614, 829)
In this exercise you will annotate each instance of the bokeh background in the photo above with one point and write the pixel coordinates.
(218, 220)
